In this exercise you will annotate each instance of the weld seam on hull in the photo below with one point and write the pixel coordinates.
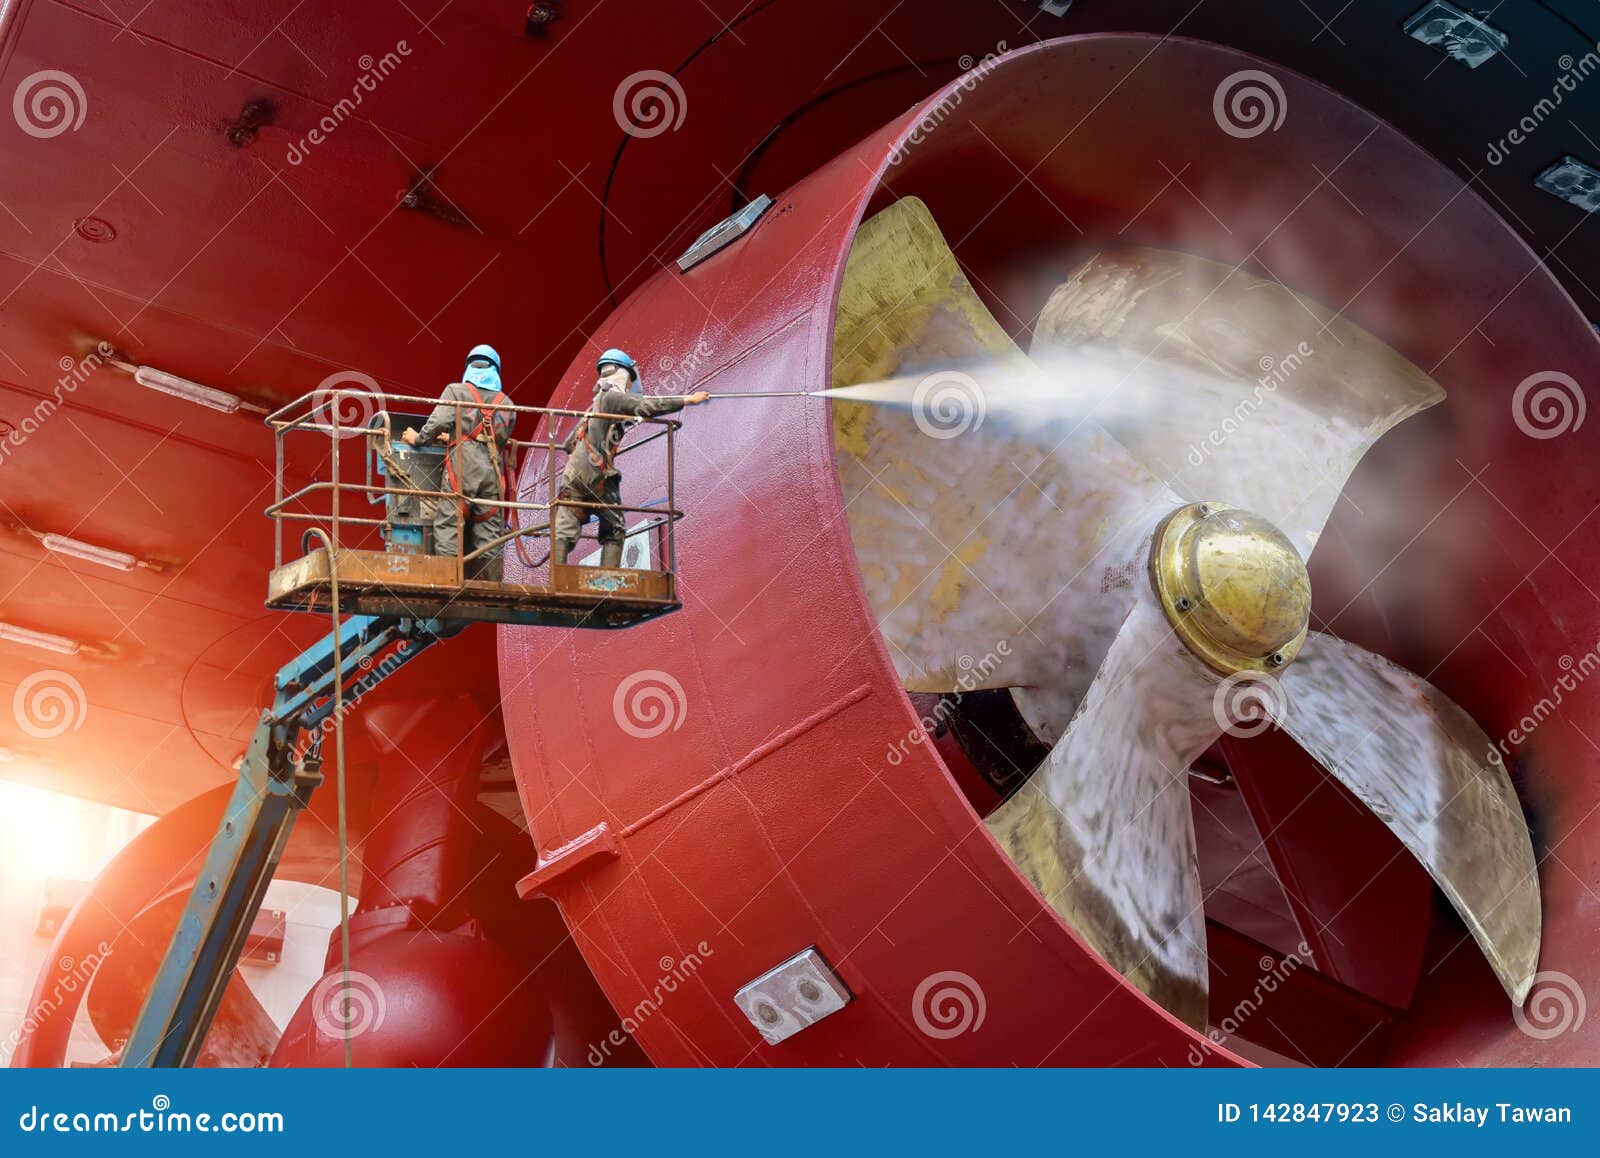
(755, 756)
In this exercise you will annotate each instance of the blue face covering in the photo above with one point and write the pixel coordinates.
(482, 375)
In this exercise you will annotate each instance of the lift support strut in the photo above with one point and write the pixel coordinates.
(273, 787)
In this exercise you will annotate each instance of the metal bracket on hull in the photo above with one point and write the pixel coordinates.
(582, 852)
(724, 233)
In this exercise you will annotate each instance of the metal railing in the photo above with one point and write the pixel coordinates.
(321, 503)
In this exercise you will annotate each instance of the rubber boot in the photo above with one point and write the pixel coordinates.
(611, 554)
(560, 551)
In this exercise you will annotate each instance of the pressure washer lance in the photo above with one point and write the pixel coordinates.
(772, 394)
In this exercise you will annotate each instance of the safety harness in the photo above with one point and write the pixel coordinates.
(603, 461)
(491, 419)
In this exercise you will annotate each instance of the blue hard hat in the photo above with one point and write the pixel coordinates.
(614, 357)
(483, 350)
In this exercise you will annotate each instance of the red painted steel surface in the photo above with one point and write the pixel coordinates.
(420, 1012)
(242, 270)
(414, 939)
(263, 278)
(768, 818)
(418, 849)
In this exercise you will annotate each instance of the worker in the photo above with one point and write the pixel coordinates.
(591, 474)
(474, 465)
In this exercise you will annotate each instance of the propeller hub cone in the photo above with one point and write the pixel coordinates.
(1233, 586)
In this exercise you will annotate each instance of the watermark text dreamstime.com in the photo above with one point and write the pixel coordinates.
(373, 72)
(72, 975)
(74, 372)
(976, 73)
(158, 1118)
(372, 674)
(677, 376)
(673, 974)
(973, 674)
(1275, 372)
(1573, 73)
(1574, 673)
(1275, 971)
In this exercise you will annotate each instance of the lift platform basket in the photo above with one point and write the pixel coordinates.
(426, 587)
(368, 523)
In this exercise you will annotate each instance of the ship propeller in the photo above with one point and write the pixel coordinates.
(1092, 554)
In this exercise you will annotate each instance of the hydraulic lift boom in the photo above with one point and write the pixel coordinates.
(407, 599)
(273, 787)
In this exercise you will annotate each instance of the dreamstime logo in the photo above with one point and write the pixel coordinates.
(948, 1004)
(649, 703)
(48, 704)
(348, 1005)
(373, 72)
(678, 375)
(1548, 404)
(649, 103)
(348, 395)
(1573, 674)
(1275, 971)
(72, 974)
(1249, 103)
(1573, 73)
(1274, 373)
(1247, 703)
(49, 103)
(74, 373)
(673, 974)
(976, 72)
(948, 404)
(1555, 1006)
(371, 676)
(974, 673)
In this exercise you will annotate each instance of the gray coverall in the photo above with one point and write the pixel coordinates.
(472, 467)
(591, 474)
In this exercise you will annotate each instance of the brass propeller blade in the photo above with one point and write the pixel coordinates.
(1226, 384)
(1103, 829)
(984, 531)
(1424, 768)
(978, 539)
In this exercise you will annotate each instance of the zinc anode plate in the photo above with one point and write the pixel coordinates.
(792, 996)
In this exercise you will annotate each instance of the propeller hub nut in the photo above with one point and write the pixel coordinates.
(1234, 587)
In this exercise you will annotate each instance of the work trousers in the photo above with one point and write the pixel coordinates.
(477, 475)
(570, 520)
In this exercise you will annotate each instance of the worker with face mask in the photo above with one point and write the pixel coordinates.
(474, 465)
(591, 474)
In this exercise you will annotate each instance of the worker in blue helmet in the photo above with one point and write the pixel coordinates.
(591, 474)
(475, 465)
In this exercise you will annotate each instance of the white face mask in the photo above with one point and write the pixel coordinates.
(619, 379)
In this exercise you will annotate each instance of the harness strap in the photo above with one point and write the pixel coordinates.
(601, 461)
(502, 476)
